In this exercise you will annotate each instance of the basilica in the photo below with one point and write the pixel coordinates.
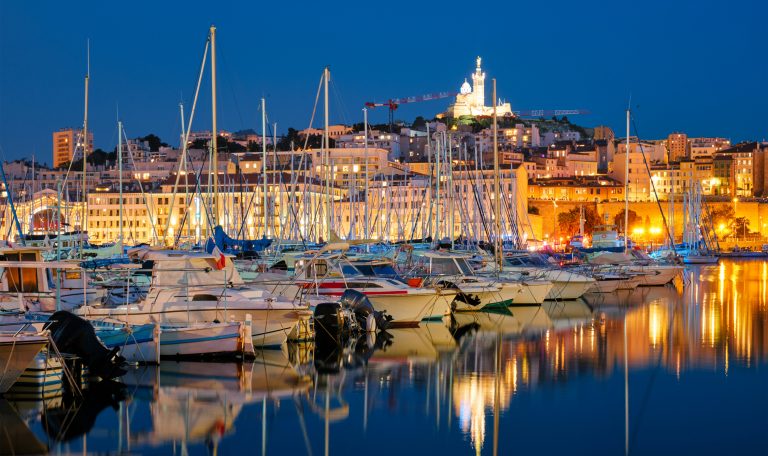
(471, 99)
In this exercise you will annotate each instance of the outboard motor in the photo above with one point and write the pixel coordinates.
(470, 299)
(339, 325)
(76, 336)
(368, 318)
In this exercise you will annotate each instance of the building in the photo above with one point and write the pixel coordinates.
(740, 170)
(596, 189)
(376, 139)
(68, 142)
(471, 99)
(604, 133)
(334, 131)
(678, 147)
(707, 147)
(509, 138)
(632, 170)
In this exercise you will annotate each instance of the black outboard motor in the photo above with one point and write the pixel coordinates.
(362, 308)
(469, 299)
(339, 325)
(76, 336)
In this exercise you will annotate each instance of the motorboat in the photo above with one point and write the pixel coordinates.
(329, 274)
(17, 351)
(566, 285)
(29, 283)
(198, 287)
(491, 290)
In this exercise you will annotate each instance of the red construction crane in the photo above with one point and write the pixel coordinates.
(392, 104)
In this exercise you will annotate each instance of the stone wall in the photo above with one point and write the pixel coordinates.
(755, 212)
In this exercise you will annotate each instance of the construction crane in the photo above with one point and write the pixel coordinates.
(392, 104)
(550, 112)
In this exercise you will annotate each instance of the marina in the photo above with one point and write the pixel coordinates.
(624, 368)
(236, 246)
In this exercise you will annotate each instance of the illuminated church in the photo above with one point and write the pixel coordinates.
(471, 99)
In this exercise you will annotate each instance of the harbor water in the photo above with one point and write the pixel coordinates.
(680, 369)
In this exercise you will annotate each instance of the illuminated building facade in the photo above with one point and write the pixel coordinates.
(68, 141)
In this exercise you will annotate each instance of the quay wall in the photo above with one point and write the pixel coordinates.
(648, 212)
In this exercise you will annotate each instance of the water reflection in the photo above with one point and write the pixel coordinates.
(480, 382)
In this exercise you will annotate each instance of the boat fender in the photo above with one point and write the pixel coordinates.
(370, 323)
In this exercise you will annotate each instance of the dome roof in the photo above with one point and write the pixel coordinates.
(465, 88)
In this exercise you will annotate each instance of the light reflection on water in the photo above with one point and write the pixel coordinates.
(544, 379)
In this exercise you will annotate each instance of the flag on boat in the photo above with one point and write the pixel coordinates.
(213, 249)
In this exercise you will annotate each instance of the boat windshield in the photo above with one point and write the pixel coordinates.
(466, 269)
(377, 270)
(348, 270)
(444, 266)
(527, 261)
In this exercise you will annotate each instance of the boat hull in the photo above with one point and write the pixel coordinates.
(270, 327)
(16, 354)
(215, 339)
(532, 293)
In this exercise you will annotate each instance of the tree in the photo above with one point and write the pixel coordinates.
(740, 226)
(419, 123)
(632, 217)
(154, 142)
(290, 139)
(199, 143)
(716, 217)
(569, 221)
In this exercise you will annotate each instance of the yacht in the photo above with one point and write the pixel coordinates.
(29, 282)
(566, 285)
(454, 269)
(195, 287)
(328, 274)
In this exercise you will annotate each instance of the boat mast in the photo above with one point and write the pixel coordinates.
(437, 190)
(120, 177)
(626, 189)
(214, 133)
(496, 186)
(84, 218)
(326, 154)
(264, 163)
(366, 233)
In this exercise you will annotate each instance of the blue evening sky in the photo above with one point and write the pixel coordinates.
(696, 66)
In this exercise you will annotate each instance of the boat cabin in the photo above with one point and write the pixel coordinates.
(19, 279)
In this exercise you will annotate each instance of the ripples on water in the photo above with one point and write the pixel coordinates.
(532, 381)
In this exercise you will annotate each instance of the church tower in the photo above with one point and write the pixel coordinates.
(478, 85)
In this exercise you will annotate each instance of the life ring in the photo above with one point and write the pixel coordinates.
(604, 236)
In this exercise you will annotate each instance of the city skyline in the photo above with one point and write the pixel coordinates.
(713, 86)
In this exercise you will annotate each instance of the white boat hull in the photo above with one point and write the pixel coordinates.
(270, 327)
(605, 286)
(532, 293)
(16, 354)
(701, 259)
(202, 339)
